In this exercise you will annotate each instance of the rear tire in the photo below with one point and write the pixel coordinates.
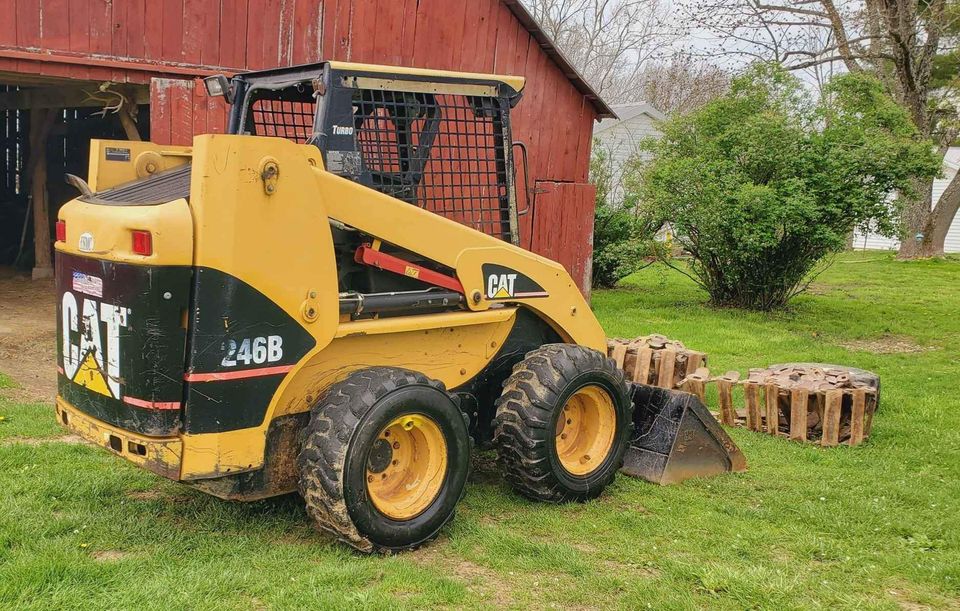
(563, 423)
(384, 459)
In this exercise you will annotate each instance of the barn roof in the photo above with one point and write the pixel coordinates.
(553, 52)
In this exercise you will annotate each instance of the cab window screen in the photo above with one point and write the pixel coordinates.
(288, 113)
(442, 152)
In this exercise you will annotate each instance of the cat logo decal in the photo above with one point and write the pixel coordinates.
(505, 283)
(94, 361)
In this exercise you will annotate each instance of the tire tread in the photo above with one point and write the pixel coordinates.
(524, 414)
(326, 440)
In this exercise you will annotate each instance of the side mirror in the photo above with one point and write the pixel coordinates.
(526, 178)
(529, 195)
(219, 87)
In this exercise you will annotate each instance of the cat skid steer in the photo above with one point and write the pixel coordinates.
(331, 298)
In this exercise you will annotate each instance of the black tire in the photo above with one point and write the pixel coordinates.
(337, 445)
(528, 411)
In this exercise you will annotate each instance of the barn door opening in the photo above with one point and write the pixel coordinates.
(46, 125)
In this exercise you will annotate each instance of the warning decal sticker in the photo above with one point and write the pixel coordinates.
(85, 283)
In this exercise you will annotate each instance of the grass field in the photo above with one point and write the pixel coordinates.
(876, 526)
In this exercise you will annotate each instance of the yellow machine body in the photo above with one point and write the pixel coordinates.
(278, 241)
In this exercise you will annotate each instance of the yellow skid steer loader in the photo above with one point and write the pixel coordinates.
(331, 299)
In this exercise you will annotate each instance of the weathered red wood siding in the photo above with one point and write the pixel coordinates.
(564, 227)
(169, 43)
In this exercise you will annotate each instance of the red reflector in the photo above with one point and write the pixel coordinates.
(142, 242)
(61, 231)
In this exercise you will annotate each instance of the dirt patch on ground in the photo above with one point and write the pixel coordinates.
(907, 600)
(479, 579)
(144, 495)
(887, 344)
(33, 441)
(28, 335)
(485, 469)
(176, 497)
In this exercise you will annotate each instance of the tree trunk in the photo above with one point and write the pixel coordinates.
(932, 224)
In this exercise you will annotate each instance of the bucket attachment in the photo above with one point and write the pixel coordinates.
(675, 438)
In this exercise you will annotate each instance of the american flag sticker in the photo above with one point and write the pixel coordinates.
(85, 283)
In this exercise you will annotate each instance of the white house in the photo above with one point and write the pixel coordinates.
(951, 164)
(620, 138)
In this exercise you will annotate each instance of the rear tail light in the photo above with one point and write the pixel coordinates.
(61, 231)
(142, 242)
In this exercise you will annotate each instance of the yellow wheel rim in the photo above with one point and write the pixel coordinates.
(406, 467)
(585, 430)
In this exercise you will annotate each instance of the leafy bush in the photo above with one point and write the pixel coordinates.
(622, 238)
(762, 184)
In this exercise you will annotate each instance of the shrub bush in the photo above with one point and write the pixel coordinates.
(762, 184)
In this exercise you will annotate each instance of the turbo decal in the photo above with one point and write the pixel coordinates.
(505, 283)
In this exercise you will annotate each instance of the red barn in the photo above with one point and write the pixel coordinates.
(72, 70)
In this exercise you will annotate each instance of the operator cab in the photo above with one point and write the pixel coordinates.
(434, 139)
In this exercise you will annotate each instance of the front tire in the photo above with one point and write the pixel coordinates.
(563, 423)
(384, 460)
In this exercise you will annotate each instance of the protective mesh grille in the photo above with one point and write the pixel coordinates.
(441, 152)
(288, 119)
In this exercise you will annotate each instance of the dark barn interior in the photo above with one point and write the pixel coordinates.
(47, 125)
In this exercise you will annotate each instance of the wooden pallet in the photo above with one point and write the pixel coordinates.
(658, 361)
(826, 411)
(825, 405)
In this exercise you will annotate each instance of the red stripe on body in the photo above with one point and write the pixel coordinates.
(236, 375)
(152, 404)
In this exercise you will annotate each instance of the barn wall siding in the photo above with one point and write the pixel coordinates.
(137, 40)
(169, 44)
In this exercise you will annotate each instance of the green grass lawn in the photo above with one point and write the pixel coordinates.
(875, 526)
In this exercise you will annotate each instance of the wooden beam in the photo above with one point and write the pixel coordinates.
(751, 396)
(857, 413)
(41, 120)
(668, 363)
(63, 97)
(178, 69)
(831, 418)
(771, 395)
(799, 400)
(22, 79)
(641, 367)
(725, 393)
